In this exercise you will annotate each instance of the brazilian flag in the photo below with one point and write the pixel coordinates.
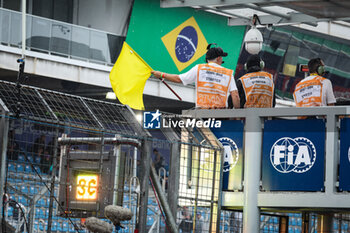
(190, 43)
(175, 39)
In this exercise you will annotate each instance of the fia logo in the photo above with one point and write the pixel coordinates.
(231, 153)
(293, 155)
(151, 120)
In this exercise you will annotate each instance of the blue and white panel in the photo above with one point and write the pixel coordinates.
(293, 155)
(344, 163)
(231, 137)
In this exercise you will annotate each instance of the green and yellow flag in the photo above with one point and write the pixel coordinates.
(174, 40)
(128, 77)
(185, 43)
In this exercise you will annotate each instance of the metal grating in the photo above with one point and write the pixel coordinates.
(111, 116)
(69, 109)
(30, 105)
(50, 106)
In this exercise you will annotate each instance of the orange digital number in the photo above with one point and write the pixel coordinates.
(87, 187)
(81, 187)
(92, 185)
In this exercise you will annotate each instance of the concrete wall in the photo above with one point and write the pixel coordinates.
(50, 66)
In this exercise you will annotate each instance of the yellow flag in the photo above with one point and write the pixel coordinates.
(128, 77)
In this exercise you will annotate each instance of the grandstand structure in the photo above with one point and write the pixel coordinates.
(61, 119)
(70, 47)
(33, 202)
(42, 162)
(30, 178)
(191, 182)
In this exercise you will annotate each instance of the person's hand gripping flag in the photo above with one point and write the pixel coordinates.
(128, 78)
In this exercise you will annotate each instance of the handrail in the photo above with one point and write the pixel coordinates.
(53, 20)
(269, 112)
(46, 39)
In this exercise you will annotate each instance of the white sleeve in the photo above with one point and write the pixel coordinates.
(328, 91)
(233, 86)
(190, 76)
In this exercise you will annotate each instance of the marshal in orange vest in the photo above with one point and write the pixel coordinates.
(308, 93)
(258, 89)
(213, 86)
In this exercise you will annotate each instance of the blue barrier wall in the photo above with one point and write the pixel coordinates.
(231, 137)
(344, 163)
(293, 155)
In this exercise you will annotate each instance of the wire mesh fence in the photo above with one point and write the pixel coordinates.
(39, 176)
(199, 185)
(32, 181)
(341, 223)
(37, 199)
(64, 152)
(68, 157)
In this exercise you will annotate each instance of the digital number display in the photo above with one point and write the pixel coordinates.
(87, 187)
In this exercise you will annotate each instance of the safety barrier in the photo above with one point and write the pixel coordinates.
(288, 163)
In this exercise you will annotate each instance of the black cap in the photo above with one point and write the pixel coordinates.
(253, 60)
(215, 52)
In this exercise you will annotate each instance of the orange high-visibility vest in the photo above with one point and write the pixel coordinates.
(308, 93)
(212, 86)
(259, 89)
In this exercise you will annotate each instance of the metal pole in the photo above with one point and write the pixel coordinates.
(116, 140)
(169, 216)
(4, 128)
(212, 206)
(134, 182)
(24, 7)
(100, 186)
(117, 154)
(52, 186)
(252, 162)
(305, 226)
(161, 175)
(145, 172)
(332, 157)
(134, 168)
(194, 217)
(174, 177)
(220, 155)
(324, 223)
(331, 167)
(31, 216)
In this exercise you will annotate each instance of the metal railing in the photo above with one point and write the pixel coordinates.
(59, 38)
(253, 197)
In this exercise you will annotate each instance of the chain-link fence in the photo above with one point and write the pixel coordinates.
(64, 158)
(68, 157)
(62, 152)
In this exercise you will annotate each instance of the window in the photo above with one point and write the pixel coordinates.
(291, 60)
(12, 4)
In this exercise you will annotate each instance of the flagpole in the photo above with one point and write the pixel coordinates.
(167, 85)
(133, 51)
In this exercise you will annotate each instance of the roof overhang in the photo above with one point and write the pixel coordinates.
(270, 12)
